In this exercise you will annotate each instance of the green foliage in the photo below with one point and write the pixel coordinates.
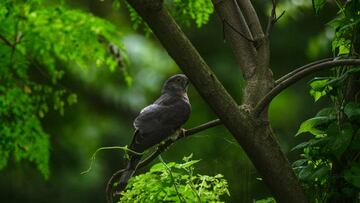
(267, 200)
(174, 182)
(186, 11)
(37, 46)
(318, 5)
(329, 168)
(346, 25)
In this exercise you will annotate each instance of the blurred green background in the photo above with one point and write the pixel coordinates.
(107, 106)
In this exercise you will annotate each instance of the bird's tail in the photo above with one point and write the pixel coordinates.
(129, 172)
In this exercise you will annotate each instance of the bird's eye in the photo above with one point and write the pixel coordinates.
(178, 79)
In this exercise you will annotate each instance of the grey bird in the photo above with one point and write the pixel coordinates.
(158, 121)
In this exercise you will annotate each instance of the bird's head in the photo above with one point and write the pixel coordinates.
(176, 84)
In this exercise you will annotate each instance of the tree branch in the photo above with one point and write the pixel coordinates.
(251, 18)
(254, 136)
(161, 148)
(298, 74)
(273, 18)
(242, 45)
(6, 41)
(280, 80)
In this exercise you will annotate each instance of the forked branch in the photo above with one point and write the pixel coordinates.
(273, 18)
(298, 74)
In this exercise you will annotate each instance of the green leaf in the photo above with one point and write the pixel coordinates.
(320, 172)
(318, 5)
(352, 110)
(329, 112)
(352, 175)
(299, 162)
(267, 200)
(306, 173)
(340, 138)
(310, 143)
(189, 163)
(313, 125)
(319, 87)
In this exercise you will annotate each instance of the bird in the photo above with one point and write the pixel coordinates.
(158, 121)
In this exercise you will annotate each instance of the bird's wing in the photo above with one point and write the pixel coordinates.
(160, 117)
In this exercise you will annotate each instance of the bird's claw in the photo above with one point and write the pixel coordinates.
(182, 132)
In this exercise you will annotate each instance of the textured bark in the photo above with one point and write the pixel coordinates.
(251, 18)
(243, 45)
(253, 133)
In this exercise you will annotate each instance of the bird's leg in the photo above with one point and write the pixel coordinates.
(182, 132)
(177, 134)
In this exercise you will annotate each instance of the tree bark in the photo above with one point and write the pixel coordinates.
(252, 133)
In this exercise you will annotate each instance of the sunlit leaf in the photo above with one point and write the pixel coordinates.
(313, 126)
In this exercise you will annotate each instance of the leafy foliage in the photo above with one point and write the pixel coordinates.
(37, 45)
(318, 5)
(174, 182)
(187, 10)
(329, 168)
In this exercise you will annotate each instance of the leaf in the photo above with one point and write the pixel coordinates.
(352, 175)
(318, 5)
(267, 200)
(320, 172)
(352, 110)
(299, 162)
(306, 172)
(312, 126)
(187, 164)
(329, 112)
(319, 87)
(341, 138)
(310, 143)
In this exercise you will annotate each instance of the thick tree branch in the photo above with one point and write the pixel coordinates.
(254, 135)
(280, 80)
(251, 18)
(243, 47)
(298, 74)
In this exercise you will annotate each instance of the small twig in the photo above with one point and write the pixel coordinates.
(181, 198)
(109, 186)
(272, 18)
(225, 22)
(6, 41)
(299, 74)
(278, 18)
(107, 148)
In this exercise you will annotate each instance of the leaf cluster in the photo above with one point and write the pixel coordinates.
(185, 12)
(38, 44)
(175, 182)
(328, 167)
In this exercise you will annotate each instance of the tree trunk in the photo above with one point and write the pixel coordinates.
(253, 133)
